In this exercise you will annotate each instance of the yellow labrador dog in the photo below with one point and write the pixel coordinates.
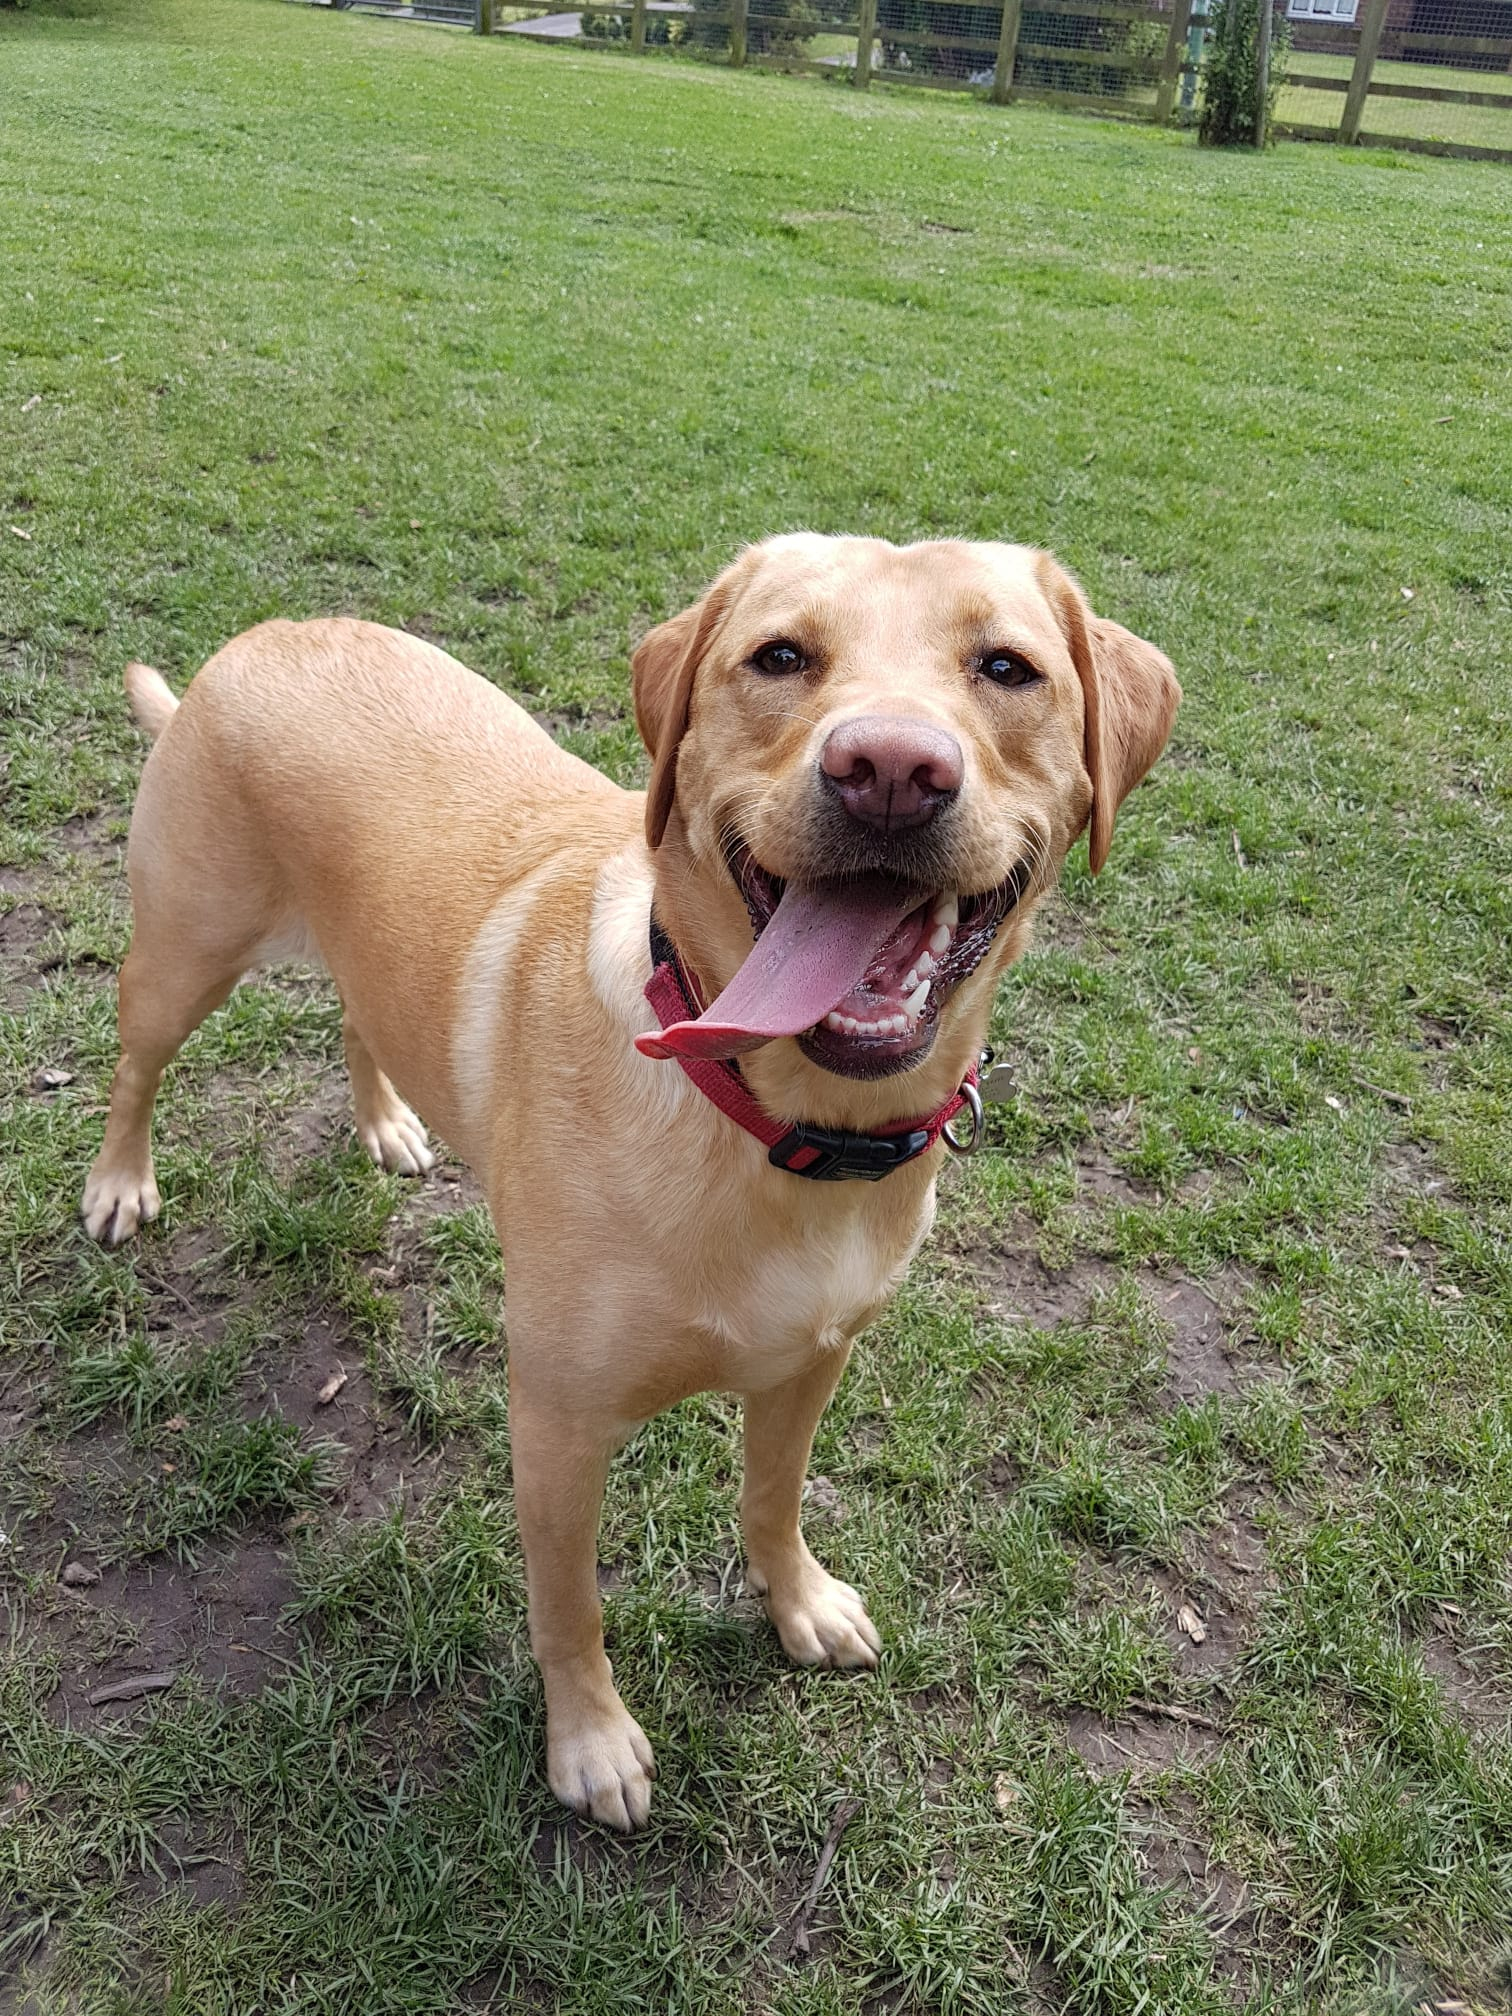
(700, 1045)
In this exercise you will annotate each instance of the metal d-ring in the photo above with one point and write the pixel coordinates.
(973, 1140)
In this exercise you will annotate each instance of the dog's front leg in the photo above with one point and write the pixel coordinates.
(597, 1758)
(820, 1621)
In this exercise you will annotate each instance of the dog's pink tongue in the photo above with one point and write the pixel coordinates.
(813, 953)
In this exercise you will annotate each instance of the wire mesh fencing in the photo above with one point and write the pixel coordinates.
(1434, 75)
(1134, 57)
(1429, 74)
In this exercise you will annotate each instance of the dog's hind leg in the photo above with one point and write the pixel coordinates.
(393, 1135)
(203, 896)
(164, 997)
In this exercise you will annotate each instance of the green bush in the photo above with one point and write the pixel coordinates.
(1229, 75)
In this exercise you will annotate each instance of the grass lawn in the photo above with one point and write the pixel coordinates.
(1414, 118)
(308, 312)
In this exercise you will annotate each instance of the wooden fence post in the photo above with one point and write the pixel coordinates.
(638, 28)
(1007, 49)
(1170, 66)
(1263, 22)
(737, 32)
(866, 34)
(483, 17)
(1364, 64)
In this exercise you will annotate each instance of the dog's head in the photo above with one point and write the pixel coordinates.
(876, 758)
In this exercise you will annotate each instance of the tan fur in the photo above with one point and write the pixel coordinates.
(481, 900)
(152, 700)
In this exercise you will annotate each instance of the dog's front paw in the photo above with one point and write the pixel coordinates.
(820, 1621)
(117, 1201)
(602, 1768)
(396, 1140)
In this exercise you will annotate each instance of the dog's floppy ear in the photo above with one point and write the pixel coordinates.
(661, 674)
(1130, 694)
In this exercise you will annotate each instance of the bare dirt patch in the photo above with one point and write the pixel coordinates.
(1099, 1177)
(1205, 1626)
(1409, 1166)
(24, 931)
(1480, 1696)
(1177, 1858)
(147, 1626)
(372, 1462)
(450, 1186)
(87, 837)
(1139, 1741)
(1020, 1286)
(1234, 1555)
(323, 1122)
(1206, 1321)
(1206, 1324)
(202, 1866)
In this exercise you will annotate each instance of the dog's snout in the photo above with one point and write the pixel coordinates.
(892, 771)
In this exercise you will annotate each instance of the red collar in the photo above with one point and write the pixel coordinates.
(823, 1153)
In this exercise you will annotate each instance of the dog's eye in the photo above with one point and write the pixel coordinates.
(777, 658)
(1008, 668)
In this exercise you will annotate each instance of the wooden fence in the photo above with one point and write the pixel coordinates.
(1434, 75)
(1132, 58)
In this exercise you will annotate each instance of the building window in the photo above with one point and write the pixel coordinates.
(1341, 11)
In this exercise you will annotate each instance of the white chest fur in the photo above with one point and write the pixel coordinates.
(813, 1289)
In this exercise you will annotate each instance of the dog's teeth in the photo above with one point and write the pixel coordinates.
(849, 1024)
(947, 912)
(834, 1021)
(925, 966)
(939, 940)
(913, 980)
(915, 1002)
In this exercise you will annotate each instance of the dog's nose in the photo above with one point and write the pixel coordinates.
(890, 770)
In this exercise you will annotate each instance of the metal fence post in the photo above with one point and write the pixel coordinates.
(1007, 49)
(1170, 66)
(1364, 64)
(638, 28)
(866, 32)
(737, 32)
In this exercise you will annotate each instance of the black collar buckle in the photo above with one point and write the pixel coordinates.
(829, 1155)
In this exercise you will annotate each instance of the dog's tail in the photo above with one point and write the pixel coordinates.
(151, 697)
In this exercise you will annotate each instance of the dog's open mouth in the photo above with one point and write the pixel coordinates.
(856, 970)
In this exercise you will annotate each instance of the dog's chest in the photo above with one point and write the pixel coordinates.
(782, 1301)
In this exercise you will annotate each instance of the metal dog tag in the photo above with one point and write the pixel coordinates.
(996, 1082)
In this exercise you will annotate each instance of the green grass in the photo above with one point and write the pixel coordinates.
(309, 312)
(1411, 118)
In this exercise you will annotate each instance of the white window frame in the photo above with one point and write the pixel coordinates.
(1340, 12)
